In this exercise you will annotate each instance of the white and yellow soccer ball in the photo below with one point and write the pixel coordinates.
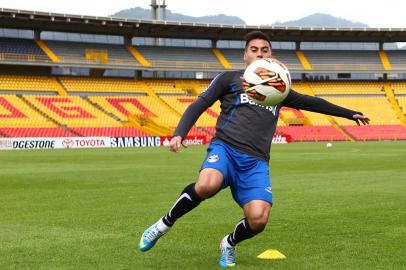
(267, 81)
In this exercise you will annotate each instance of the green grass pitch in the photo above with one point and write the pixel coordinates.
(334, 208)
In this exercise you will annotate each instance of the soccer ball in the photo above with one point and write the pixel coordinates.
(267, 81)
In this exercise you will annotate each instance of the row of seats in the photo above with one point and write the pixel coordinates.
(193, 58)
(179, 87)
(19, 46)
(347, 88)
(402, 103)
(18, 132)
(82, 84)
(77, 52)
(399, 87)
(26, 83)
(99, 114)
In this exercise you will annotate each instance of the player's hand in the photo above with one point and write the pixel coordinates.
(360, 119)
(175, 144)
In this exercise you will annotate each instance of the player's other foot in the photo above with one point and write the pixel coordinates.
(149, 238)
(227, 258)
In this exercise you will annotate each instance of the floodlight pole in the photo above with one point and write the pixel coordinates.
(158, 12)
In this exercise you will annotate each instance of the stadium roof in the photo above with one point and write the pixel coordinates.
(45, 21)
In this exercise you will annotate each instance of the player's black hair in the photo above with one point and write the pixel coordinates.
(256, 35)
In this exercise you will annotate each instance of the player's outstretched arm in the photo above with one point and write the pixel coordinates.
(175, 144)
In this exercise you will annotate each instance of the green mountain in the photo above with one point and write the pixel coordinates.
(317, 19)
(322, 20)
(141, 13)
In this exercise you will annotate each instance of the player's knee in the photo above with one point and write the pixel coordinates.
(205, 189)
(258, 221)
(209, 183)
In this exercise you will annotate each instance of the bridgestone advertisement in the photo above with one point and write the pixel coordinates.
(54, 143)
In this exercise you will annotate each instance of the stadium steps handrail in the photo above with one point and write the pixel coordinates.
(207, 132)
(155, 97)
(385, 60)
(152, 94)
(309, 90)
(138, 56)
(303, 60)
(63, 126)
(187, 64)
(100, 108)
(44, 47)
(395, 105)
(340, 129)
(148, 125)
(222, 59)
(60, 88)
(24, 57)
(188, 85)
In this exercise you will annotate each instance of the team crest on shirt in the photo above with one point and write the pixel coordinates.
(213, 158)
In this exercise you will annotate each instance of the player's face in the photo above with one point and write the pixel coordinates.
(257, 49)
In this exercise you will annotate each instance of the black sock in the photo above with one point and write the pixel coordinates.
(242, 231)
(187, 200)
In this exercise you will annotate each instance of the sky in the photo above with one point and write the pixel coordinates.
(374, 13)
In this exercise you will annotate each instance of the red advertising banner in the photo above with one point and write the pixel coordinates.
(281, 138)
(190, 140)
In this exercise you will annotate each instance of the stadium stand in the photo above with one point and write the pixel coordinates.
(92, 53)
(181, 57)
(343, 60)
(397, 59)
(378, 108)
(18, 119)
(14, 83)
(25, 50)
(399, 88)
(129, 107)
(38, 98)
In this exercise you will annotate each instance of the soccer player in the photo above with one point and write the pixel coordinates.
(238, 155)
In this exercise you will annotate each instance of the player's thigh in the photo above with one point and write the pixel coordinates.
(209, 182)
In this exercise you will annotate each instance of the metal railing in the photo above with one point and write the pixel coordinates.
(72, 59)
(24, 57)
(193, 65)
(186, 64)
